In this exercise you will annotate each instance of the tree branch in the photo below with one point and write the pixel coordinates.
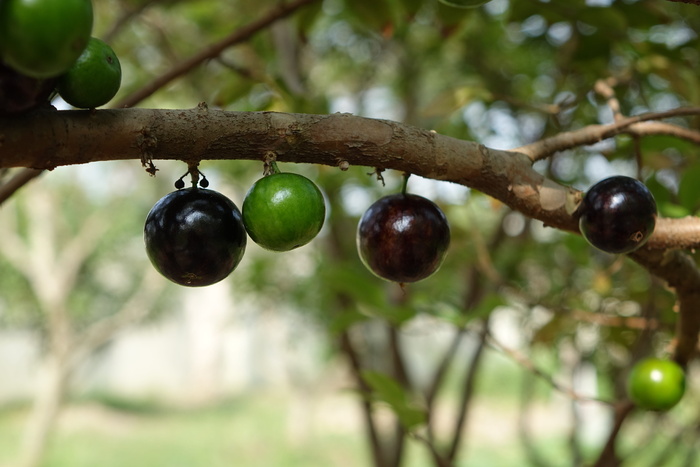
(608, 456)
(592, 134)
(132, 311)
(16, 182)
(681, 274)
(467, 392)
(77, 137)
(212, 51)
(127, 14)
(347, 346)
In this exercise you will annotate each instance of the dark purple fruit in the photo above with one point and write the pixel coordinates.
(403, 238)
(618, 214)
(195, 237)
(19, 93)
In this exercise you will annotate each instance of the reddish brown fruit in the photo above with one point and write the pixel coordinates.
(403, 238)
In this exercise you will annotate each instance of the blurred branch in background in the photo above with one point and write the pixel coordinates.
(212, 51)
(52, 255)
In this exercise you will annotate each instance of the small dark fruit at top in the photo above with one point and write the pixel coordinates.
(195, 237)
(617, 215)
(19, 93)
(403, 238)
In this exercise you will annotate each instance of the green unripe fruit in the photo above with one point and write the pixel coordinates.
(43, 38)
(656, 384)
(94, 78)
(283, 211)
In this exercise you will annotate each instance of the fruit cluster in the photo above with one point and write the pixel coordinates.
(46, 46)
(196, 236)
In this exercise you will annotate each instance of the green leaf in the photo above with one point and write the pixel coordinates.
(389, 391)
(353, 280)
(689, 189)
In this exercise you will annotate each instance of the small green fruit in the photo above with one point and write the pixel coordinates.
(656, 384)
(43, 38)
(283, 211)
(94, 79)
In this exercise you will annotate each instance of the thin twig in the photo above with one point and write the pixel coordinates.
(128, 15)
(212, 51)
(524, 361)
(467, 391)
(401, 375)
(592, 134)
(533, 454)
(437, 457)
(605, 87)
(348, 349)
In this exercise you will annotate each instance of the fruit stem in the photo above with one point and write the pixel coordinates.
(404, 185)
(274, 169)
(194, 172)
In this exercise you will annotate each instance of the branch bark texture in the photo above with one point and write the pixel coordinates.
(78, 137)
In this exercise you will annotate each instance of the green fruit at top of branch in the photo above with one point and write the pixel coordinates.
(94, 78)
(403, 238)
(656, 384)
(283, 211)
(617, 215)
(43, 38)
(465, 3)
(195, 237)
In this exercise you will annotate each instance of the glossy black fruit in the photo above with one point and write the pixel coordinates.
(617, 215)
(403, 238)
(195, 237)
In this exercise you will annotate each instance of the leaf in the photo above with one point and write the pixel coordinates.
(608, 21)
(689, 189)
(389, 391)
(353, 280)
(658, 190)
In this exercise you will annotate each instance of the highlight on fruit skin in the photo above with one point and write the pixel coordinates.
(403, 238)
(617, 215)
(195, 237)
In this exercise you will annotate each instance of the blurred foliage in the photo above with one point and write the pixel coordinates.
(505, 74)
